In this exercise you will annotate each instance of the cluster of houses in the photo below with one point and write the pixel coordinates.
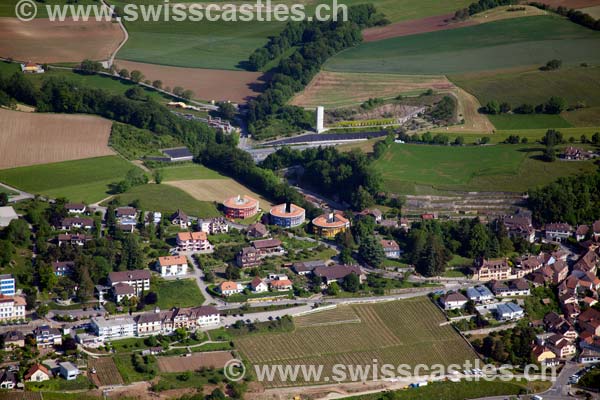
(275, 282)
(38, 373)
(252, 256)
(577, 154)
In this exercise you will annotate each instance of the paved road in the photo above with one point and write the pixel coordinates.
(20, 196)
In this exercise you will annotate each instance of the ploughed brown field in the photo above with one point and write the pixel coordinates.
(213, 359)
(31, 138)
(43, 41)
(207, 84)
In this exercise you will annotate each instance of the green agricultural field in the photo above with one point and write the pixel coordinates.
(399, 332)
(511, 168)
(189, 171)
(7, 7)
(224, 45)
(168, 199)
(533, 121)
(530, 41)
(86, 180)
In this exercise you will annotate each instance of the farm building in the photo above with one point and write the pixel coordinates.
(329, 225)
(240, 207)
(32, 68)
(287, 215)
(178, 154)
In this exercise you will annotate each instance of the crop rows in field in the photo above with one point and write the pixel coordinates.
(107, 373)
(397, 333)
(339, 315)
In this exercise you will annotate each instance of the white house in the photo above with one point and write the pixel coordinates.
(46, 336)
(213, 226)
(193, 242)
(75, 208)
(68, 370)
(12, 308)
(480, 294)
(37, 373)
(229, 288)
(206, 316)
(453, 301)
(138, 279)
(172, 265)
(258, 285)
(558, 231)
(113, 328)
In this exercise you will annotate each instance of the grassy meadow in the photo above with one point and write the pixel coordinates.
(189, 171)
(530, 41)
(533, 121)
(512, 168)
(86, 180)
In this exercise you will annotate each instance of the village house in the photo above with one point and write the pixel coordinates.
(542, 354)
(453, 301)
(75, 208)
(180, 218)
(73, 239)
(480, 294)
(252, 256)
(46, 337)
(248, 257)
(12, 308)
(8, 379)
(229, 288)
(307, 267)
(150, 323)
(581, 232)
(509, 311)
(519, 225)
(126, 215)
(588, 262)
(68, 370)
(281, 285)
(257, 231)
(32, 68)
(560, 346)
(390, 248)
(63, 268)
(213, 226)
(76, 223)
(138, 280)
(194, 242)
(14, 339)
(576, 154)
(37, 373)
(258, 285)
(491, 269)
(589, 321)
(596, 230)
(337, 273)
(172, 265)
(558, 231)
(373, 212)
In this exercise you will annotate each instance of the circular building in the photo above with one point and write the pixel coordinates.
(329, 225)
(287, 215)
(240, 207)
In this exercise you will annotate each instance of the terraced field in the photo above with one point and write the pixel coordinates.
(400, 332)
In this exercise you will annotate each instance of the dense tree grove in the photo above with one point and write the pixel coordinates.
(65, 96)
(511, 346)
(554, 105)
(575, 16)
(347, 176)
(481, 6)
(315, 42)
(575, 200)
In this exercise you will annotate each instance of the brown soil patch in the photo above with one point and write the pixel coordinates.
(43, 41)
(467, 109)
(217, 190)
(32, 138)
(207, 84)
(106, 374)
(571, 3)
(213, 359)
(413, 27)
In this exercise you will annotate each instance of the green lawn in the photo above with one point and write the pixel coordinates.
(530, 41)
(189, 171)
(81, 180)
(60, 384)
(531, 121)
(512, 168)
(177, 293)
(168, 199)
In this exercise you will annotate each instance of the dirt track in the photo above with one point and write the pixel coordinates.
(405, 28)
(207, 84)
(43, 41)
(31, 138)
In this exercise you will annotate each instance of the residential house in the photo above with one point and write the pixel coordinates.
(126, 215)
(390, 248)
(588, 262)
(150, 323)
(73, 239)
(32, 68)
(138, 279)
(373, 212)
(37, 373)
(8, 379)
(499, 288)
(269, 247)
(558, 231)
(113, 328)
(589, 321)
(257, 230)
(63, 268)
(75, 208)
(252, 256)
(307, 267)
(180, 218)
(194, 242)
(248, 257)
(281, 285)
(542, 354)
(581, 232)
(76, 223)
(560, 346)
(491, 269)
(172, 265)
(229, 288)
(7, 285)
(337, 273)
(258, 285)
(68, 370)
(453, 301)
(12, 308)
(589, 356)
(519, 225)
(14, 339)
(122, 291)
(205, 316)
(596, 230)
(509, 311)
(213, 226)
(46, 337)
(577, 154)
(480, 294)
(518, 287)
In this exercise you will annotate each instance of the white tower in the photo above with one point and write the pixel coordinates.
(320, 118)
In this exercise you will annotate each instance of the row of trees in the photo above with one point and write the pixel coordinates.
(575, 16)
(554, 105)
(316, 41)
(481, 6)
